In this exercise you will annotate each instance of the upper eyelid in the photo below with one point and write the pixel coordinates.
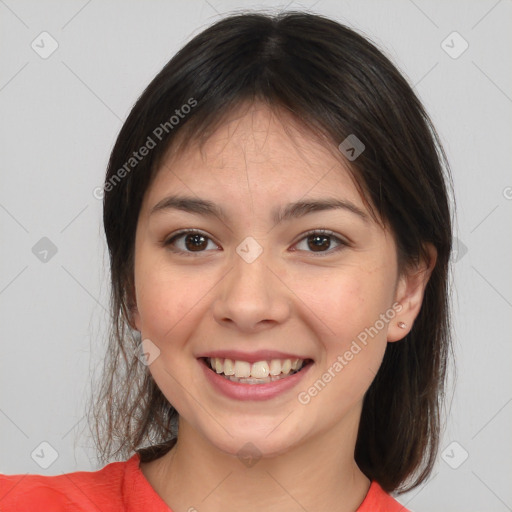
(188, 232)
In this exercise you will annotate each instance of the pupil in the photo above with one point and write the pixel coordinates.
(319, 242)
(195, 242)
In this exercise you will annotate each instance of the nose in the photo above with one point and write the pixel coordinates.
(251, 297)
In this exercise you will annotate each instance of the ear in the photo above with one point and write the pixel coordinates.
(409, 293)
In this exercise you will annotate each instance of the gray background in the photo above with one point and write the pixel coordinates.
(59, 117)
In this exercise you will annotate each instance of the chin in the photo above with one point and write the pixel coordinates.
(254, 444)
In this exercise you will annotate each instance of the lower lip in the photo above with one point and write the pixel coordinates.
(241, 391)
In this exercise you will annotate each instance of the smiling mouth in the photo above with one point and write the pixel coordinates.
(260, 372)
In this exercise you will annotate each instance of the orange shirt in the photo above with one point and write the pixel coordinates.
(118, 487)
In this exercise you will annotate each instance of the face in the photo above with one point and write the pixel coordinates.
(240, 273)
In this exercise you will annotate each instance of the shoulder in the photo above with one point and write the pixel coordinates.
(82, 490)
(377, 500)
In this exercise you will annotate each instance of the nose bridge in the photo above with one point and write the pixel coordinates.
(250, 295)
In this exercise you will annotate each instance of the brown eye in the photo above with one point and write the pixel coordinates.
(196, 242)
(321, 242)
(188, 242)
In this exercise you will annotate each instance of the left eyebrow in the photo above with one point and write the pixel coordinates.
(290, 211)
(301, 208)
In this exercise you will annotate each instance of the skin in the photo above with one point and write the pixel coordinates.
(291, 298)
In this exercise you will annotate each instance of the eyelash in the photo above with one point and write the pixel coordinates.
(342, 243)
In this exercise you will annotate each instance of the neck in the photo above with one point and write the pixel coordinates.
(319, 474)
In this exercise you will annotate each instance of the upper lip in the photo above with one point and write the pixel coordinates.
(251, 357)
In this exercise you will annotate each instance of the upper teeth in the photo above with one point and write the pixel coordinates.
(258, 370)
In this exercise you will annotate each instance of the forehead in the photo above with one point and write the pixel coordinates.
(262, 150)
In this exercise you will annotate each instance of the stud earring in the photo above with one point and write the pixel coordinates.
(402, 325)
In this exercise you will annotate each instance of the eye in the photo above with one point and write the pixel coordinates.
(321, 241)
(190, 241)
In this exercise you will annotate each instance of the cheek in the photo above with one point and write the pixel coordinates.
(348, 300)
(166, 298)
(169, 304)
(353, 351)
(349, 307)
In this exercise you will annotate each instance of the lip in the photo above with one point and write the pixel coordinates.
(252, 357)
(240, 391)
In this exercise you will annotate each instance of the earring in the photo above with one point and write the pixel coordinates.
(402, 325)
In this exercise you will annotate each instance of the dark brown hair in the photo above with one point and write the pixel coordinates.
(335, 83)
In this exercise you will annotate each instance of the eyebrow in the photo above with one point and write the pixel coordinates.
(290, 211)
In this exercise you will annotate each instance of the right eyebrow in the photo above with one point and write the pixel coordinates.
(188, 204)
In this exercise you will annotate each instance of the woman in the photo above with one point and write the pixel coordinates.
(279, 232)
